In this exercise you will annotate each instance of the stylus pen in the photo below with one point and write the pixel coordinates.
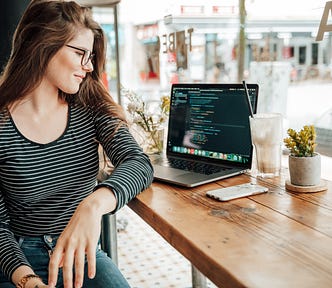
(248, 99)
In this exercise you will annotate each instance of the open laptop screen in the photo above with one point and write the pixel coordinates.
(211, 121)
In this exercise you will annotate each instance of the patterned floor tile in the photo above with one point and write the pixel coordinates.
(146, 259)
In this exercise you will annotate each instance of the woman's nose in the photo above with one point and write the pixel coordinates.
(88, 67)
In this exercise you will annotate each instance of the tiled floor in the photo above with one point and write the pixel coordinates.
(146, 259)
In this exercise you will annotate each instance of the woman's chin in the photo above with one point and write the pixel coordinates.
(71, 90)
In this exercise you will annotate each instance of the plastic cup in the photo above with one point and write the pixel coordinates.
(266, 136)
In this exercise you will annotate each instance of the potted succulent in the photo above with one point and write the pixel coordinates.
(304, 162)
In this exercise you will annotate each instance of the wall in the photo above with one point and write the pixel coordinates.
(10, 13)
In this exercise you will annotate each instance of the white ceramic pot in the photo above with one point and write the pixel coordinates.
(305, 171)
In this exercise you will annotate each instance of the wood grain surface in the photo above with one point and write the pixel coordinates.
(275, 239)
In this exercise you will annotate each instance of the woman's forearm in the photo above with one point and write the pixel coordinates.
(101, 201)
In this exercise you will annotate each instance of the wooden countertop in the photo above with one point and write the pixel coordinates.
(276, 239)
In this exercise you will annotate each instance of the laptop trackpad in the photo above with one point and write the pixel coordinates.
(162, 172)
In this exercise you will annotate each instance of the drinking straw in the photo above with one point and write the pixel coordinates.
(248, 99)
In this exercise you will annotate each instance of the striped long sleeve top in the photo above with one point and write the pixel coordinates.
(42, 184)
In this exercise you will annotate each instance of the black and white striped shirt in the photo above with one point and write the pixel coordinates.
(42, 184)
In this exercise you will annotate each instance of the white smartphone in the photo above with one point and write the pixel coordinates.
(237, 191)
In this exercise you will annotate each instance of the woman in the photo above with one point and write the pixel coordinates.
(54, 113)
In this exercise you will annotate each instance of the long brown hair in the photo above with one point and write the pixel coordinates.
(45, 27)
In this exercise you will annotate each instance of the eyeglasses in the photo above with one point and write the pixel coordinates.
(86, 57)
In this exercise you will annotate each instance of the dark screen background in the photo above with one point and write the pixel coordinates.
(213, 118)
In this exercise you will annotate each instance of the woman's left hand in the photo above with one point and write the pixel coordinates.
(80, 238)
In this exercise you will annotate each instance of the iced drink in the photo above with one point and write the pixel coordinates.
(266, 136)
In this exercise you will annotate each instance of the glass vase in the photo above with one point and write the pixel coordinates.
(151, 138)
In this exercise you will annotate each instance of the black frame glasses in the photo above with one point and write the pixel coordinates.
(86, 57)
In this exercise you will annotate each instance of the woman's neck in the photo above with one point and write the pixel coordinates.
(39, 102)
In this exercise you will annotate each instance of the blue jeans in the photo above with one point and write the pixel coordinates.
(37, 249)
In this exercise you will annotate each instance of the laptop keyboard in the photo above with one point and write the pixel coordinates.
(194, 166)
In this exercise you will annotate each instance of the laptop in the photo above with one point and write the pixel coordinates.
(208, 134)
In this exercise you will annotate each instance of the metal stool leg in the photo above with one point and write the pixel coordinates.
(109, 240)
(198, 279)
